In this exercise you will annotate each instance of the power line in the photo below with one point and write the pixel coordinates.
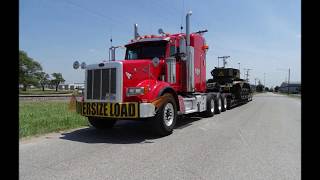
(224, 60)
(89, 11)
(171, 11)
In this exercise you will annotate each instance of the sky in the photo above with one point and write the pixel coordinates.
(261, 35)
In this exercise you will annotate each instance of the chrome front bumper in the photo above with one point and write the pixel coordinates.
(146, 110)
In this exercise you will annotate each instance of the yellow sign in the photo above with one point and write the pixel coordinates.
(105, 109)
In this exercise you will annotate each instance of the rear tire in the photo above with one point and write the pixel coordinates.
(102, 123)
(210, 107)
(224, 103)
(165, 118)
(218, 104)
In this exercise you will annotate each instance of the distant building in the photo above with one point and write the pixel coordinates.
(74, 86)
(71, 86)
(294, 87)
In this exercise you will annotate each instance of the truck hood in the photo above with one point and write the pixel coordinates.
(136, 71)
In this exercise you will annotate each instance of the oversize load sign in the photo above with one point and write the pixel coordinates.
(104, 109)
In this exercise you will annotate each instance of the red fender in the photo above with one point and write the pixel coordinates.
(153, 89)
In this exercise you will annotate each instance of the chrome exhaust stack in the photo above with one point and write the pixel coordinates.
(190, 60)
(136, 34)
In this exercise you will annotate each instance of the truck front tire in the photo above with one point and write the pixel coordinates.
(101, 123)
(166, 116)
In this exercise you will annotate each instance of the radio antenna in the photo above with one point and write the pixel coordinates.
(182, 16)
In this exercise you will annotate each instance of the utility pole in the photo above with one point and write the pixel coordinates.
(247, 74)
(239, 69)
(224, 60)
(288, 80)
(255, 83)
(264, 80)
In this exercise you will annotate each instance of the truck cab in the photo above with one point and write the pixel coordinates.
(160, 77)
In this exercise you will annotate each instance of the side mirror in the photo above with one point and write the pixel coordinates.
(76, 65)
(155, 61)
(83, 65)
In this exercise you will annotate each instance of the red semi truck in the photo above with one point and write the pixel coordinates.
(162, 77)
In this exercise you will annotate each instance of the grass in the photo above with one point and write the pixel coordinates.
(36, 118)
(46, 91)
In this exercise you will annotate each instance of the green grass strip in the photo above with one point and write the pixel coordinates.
(36, 118)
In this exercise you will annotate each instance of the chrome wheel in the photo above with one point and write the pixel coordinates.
(212, 105)
(219, 105)
(168, 114)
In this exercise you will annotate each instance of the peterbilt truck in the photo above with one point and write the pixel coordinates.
(161, 77)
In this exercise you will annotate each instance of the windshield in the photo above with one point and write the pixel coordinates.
(146, 50)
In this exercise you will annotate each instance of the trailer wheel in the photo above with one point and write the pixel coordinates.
(210, 107)
(165, 118)
(224, 103)
(101, 123)
(218, 105)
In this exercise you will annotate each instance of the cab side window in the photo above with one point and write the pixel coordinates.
(132, 54)
(172, 50)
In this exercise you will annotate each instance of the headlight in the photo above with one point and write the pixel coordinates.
(133, 91)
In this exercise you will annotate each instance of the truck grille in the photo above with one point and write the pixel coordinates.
(101, 83)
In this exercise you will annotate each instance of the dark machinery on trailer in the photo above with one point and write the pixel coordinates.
(227, 82)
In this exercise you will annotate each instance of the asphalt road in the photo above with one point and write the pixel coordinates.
(258, 140)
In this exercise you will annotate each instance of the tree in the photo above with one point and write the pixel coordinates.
(28, 70)
(276, 89)
(57, 79)
(259, 87)
(44, 79)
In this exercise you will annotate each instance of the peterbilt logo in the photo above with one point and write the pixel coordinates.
(128, 75)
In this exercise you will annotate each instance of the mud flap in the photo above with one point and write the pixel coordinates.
(159, 101)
